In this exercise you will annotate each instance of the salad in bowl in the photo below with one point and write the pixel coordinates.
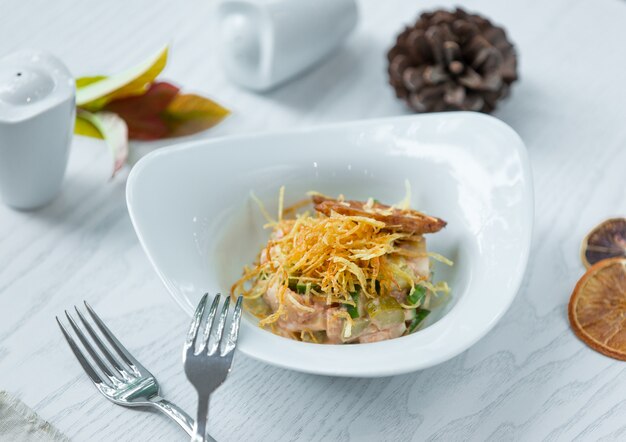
(344, 271)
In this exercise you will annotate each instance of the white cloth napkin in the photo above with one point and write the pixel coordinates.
(18, 423)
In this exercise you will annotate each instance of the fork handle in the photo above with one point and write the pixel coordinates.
(175, 413)
(199, 428)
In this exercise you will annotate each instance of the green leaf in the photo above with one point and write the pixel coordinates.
(114, 131)
(93, 93)
(190, 113)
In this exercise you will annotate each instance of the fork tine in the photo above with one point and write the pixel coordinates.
(220, 328)
(89, 369)
(233, 334)
(192, 334)
(209, 323)
(117, 345)
(115, 362)
(95, 357)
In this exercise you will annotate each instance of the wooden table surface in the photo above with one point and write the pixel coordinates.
(528, 379)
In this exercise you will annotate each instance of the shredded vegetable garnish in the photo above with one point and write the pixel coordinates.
(281, 203)
(405, 204)
(440, 258)
(334, 277)
(264, 212)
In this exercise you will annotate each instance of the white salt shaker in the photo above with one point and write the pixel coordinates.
(37, 96)
(266, 42)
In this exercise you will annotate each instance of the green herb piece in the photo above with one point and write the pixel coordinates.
(420, 315)
(353, 310)
(417, 294)
(300, 288)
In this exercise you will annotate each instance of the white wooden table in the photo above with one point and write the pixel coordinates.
(529, 379)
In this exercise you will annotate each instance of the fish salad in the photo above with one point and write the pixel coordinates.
(343, 271)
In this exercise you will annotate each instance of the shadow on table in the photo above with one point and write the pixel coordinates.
(333, 78)
(88, 206)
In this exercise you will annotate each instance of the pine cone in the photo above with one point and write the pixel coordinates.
(452, 61)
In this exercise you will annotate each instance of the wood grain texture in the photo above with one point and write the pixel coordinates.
(529, 379)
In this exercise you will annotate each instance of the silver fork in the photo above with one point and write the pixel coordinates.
(118, 376)
(206, 365)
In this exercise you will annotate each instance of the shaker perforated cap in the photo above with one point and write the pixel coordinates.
(32, 82)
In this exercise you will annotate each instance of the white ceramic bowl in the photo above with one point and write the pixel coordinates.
(191, 207)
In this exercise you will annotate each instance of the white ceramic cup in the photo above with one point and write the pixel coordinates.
(266, 42)
(37, 110)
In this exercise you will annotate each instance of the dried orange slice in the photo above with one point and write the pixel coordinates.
(597, 308)
(607, 240)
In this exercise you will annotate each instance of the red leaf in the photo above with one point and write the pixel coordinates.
(163, 112)
(144, 113)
